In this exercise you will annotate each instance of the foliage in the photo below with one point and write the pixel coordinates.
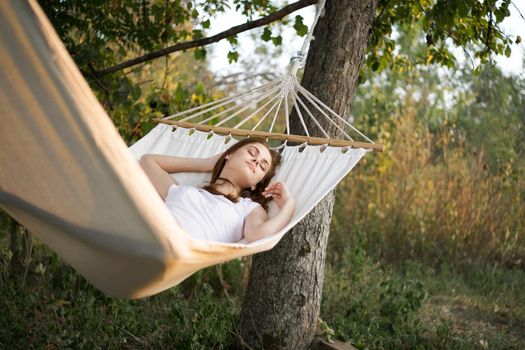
(59, 309)
(103, 34)
(449, 186)
(369, 307)
(376, 305)
(489, 111)
(440, 208)
(469, 24)
(88, 28)
(365, 301)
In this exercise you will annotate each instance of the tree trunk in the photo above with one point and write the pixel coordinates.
(282, 301)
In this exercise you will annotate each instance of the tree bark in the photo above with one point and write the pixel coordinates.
(282, 301)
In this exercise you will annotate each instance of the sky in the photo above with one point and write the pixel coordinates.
(514, 25)
(218, 60)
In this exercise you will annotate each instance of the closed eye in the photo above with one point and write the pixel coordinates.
(264, 163)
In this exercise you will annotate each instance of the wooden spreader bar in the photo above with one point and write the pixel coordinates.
(274, 136)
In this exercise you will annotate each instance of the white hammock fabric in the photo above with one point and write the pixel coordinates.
(308, 171)
(67, 175)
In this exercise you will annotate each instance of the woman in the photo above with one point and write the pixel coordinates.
(233, 207)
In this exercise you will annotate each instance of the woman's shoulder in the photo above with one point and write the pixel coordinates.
(248, 204)
(246, 200)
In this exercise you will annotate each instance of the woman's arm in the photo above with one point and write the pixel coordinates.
(172, 164)
(257, 225)
(159, 167)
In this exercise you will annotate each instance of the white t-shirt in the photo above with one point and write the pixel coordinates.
(207, 216)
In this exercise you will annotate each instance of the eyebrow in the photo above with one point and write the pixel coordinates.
(259, 152)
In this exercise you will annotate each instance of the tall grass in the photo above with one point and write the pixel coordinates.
(427, 198)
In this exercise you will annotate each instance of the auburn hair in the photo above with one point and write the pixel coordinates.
(255, 194)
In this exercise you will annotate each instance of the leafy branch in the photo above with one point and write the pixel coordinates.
(206, 41)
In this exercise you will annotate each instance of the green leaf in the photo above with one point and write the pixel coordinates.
(299, 26)
(232, 40)
(181, 95)
(197, 34)
(477, 70)
(518, 39)
(277, 40)
(199, 53)
(267, 34)
(136, 92)
(503, 11)
(206, 24)
(146, 127)
(233, 56)
(508, 51)
(200, 89)
(361, 79)
(463, 9)
(194, 13)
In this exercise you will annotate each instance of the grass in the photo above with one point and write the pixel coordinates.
(55, 308)
(375, 305)
(484, 306)
(367, 301)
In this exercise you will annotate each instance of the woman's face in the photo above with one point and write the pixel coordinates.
(250, 164)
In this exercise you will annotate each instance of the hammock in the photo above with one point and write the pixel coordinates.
(68, 177)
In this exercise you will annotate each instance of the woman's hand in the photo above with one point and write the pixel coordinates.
(279, 193)
(258, 225)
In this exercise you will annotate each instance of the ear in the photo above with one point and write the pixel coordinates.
(253, 188)
(227, 156)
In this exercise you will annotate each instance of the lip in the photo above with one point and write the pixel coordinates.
(252, 167)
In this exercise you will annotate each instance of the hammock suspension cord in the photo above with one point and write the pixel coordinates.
(268, 107)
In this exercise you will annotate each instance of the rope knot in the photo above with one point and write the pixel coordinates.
(287, 85)
(298, 58)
